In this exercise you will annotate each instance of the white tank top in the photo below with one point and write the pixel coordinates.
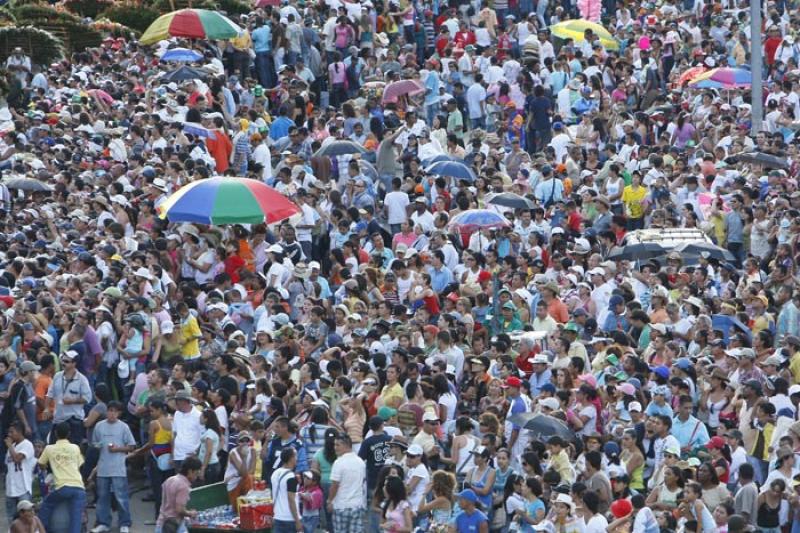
(465, 463)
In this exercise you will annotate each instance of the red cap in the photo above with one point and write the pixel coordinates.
(513, 381)
(620, 508)
(716, 443)
(484, 276)
(430, 328)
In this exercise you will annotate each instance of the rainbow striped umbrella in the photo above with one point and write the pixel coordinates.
(218, 201)
(723, 78)
(190, 23)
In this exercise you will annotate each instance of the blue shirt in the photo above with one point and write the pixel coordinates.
(517, 406)
(262, 39)
(691, 433)
(469, 523)
(280, 128)
(734, 227)
(539, 380)
(440, 278)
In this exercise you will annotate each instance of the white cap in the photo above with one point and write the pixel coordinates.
(167, 327)
(414, 449)
(634, 407)
(550, 403)
(430, 417)
(794, 389)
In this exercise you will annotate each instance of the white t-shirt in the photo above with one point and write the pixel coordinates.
(282, 483)
(187, 430)
(350, 471)
(476, 94)
(19, 478)
(420, 471)
(597, 524)
(310, 217)
(396, 202)
(277, 270)
(590, 426)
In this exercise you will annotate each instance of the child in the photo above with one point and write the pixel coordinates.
(132, 342)
(258, 432)
(310, 500)
(259, 408)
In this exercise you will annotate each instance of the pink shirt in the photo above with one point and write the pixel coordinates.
(175, 495)
(337, 72)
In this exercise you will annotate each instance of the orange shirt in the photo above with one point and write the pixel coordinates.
(220, 148)
(42, 384)
(558, 310)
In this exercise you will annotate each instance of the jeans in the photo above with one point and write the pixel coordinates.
(265, 69)
(307, 250)
(283, 526)
(310, 524)
(478, 123)
(120, 486)
(77, 503)
(541, 9)
(373, 521)
(157, 478)
(431, 110)
(181, 528)
(11, 504)
(737, 249)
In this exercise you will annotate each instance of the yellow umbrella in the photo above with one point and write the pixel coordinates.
(574, 29)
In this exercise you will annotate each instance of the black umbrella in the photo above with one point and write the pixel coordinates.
(337, 148)
(509, 199)
(185, 73)
(28, 184)
(760, 158)
(638, 251)
(542, 426)
(699, 248)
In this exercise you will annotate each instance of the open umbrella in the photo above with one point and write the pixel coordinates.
(690, 73)
(479, 218)
(181, 55)
(101, 95)
(542, 427)
(193, 128)
(724, 324)
(723, 78)
(218, 201)
(28, 184)
(395, 90)
(453, 169)
(574, 29)
(761, 158)
(183, 74)
(640, 250)
(441, 157)
(368, 169)
(509, 199)
(699, 248)
(191, 23)
(337, 148)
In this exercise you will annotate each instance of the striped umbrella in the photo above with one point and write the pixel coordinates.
(723, 78)
(192, 24)
(218, 201)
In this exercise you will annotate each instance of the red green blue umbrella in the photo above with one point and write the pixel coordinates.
(723, 78)
(192, 24)
(218, 201)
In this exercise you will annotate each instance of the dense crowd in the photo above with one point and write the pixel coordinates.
(390, 358)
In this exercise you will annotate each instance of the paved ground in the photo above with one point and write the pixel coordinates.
(141, 511)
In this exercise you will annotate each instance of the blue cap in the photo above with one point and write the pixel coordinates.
(40, 244)
(149, 172)
(660, 371)
(558, 125)
(611, 448)
(615, 301)
(636, 383)
(683, 363)
(546, 169)
(361, 226)
(469, 495)
(548, 387)
(29, 281)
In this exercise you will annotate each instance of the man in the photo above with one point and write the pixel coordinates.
(26, 520)
(20, 462)
(186, 428)
(690, 432)
(471, 518)
(21, 402)
(597, 480)
(426, 438)
(476, 102)
(175, 497)
(373, 451)
(516, 437)
(69, 392)
(541, 370)
(346, 497)
(284, 438)
(745, 502)
(64, 459)
(44, 412)
(284, 490)
(114, 439)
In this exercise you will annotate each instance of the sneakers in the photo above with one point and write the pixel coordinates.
(100, 528)
(124, 529)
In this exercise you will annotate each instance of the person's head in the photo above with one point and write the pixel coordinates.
(394, 490)
(114, 411)
(289, 457)
(343, 444)
(62, 430)
(190, 468)
(16, 431)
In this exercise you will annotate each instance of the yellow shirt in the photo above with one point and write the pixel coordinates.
(633, 201)
(393, 395)
(560, 463)
(65, 460)
(794, 367)
(243, 41)
(189, 336)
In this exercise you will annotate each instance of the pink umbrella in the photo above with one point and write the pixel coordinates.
(100, 94)
(395, 90)
(265, 3)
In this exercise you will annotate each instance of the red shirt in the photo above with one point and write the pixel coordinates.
(574, 221)
(770, 47)
(463, 38)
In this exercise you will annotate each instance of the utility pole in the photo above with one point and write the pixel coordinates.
(756, 66)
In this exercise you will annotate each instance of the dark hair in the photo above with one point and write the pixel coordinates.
(62, 430)
(287, 454)
(189, 464)
(395, 491)
(212, 422)
(328, 450)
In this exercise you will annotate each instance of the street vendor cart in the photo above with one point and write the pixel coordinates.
(215, 514)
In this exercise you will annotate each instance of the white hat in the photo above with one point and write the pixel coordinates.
(550, 403)
(142, 272)
(160, 184)
(167, 327)
(430, 417)
(566, 499)
(794, 389)
(414, 449)
(634, 407)
(539, 358)
(218, 307)
(557, 231)
(597, 271)
(275, 248)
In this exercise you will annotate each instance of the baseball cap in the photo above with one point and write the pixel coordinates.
(415, 450)
(513, 381)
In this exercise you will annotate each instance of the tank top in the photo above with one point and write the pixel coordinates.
(614, 188)
(668, 496)
(768, 516)
(465, 463)
(714, 409)
(162, 441)
(709, 526)
(486, 501)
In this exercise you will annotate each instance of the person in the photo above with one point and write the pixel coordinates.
(26, 520)
(769, 506)
(397, 513)
(114, 439)
(241, 467)
(693, 508)
(374, 450)
(70, 391)
(20, 461)
(346, 499)
(471, 518)
(209, 447)
(64, 460)
(175, 497)
(159, 445)
(284, 485)
(312, 500)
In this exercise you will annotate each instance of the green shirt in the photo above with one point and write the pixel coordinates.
(455, 123)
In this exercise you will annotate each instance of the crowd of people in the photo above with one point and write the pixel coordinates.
(379, 367)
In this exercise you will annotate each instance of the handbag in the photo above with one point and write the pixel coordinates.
(163, 462)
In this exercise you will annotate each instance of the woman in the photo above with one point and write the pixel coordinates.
(464, 443)
(714, 400)
(337, 72)
(769, 506)
(634, 198)
(534, 511)
(693, 508)
(720, 457)
(633, 459)
(440, 505)
(160, 447)
(209, 448)
(494, 397)
(241, 466)
(481, 477)
(564, 517)
(665, 496)
(323, 461)
(397, 515)
(714, 492)
(721, 514)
